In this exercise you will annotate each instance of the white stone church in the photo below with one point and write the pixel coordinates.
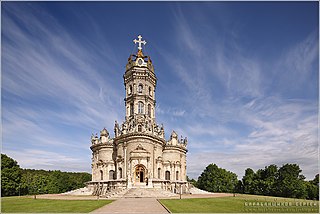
(138, 155)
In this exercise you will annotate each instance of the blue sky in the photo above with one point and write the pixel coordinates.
(239, 79)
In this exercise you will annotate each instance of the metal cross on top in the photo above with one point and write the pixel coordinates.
(140, 42)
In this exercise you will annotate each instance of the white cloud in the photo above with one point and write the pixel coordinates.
(269, 128)
(241, 75)
(52, 86)
(176, 112)
(282, 131)
(41, 159)
(56, 68)
(297, 67)
(299, 59)
(223, 96)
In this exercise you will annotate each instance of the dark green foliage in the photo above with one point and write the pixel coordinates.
(33, 181)
(215, 179)
(239, 187)
(10, 176)
(262, 182)
(247, 181)
(313, 188)
(290, 183)
(284, 182)
(192, 181)
(49, 182)
(287, 181)
(269, 176)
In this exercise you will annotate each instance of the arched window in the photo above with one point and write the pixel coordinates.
(177, 175)
(130, 90)
(131, 109)
(120, 172)
(167, 175)
(140, 87)
(149, 110)
(140, 107)
(150, 91)
(111, 174)
(101, 175)
(159, 173)
(139, 128)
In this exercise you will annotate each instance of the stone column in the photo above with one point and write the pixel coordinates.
(154, 160)
(129, 174)
(149, 173)
(125, 176)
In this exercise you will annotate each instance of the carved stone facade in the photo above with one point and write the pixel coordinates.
(138, 155)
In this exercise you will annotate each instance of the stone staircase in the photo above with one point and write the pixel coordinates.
(196, 191)
(135, 192)
(148, 193)
(115, 194)
(80, 191)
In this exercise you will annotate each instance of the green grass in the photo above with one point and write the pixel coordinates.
(241, 204)
(30, 205)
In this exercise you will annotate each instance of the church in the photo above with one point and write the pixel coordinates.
(138, 156)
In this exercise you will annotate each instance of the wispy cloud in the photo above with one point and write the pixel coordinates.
(282, 131)
(244, 121)
(297, 69)
(50, 84)
(41, 159)
(170, 111)
(237, 108)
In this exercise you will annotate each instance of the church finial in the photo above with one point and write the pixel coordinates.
(139, 42)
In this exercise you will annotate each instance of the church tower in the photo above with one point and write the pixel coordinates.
(140, 83)
(138, 155)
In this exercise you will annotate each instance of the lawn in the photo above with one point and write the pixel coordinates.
(241, 204)
(30, 205)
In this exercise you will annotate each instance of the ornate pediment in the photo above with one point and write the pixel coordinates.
(139, 147)
(140, 152)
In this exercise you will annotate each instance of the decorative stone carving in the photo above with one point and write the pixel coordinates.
(116, 129)
(140, 135)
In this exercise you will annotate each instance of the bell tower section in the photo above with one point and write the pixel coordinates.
(140, 84)
(138, 155)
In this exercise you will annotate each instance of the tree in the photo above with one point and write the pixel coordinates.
(313, 188)
(239, 187)
(263, 181)
(215, 179)
(285, 182)
(192, 181)
(10, 176)
(270, 176)
(247, 181)
(290, 183)
(31, 181)
(42, 181)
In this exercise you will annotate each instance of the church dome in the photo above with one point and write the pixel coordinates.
(139, 60)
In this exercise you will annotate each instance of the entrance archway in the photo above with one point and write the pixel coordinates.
(140, 173)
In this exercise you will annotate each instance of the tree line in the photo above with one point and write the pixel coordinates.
(17, 181)
(286, 181)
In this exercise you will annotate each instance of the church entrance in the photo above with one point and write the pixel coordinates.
(140, 173)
